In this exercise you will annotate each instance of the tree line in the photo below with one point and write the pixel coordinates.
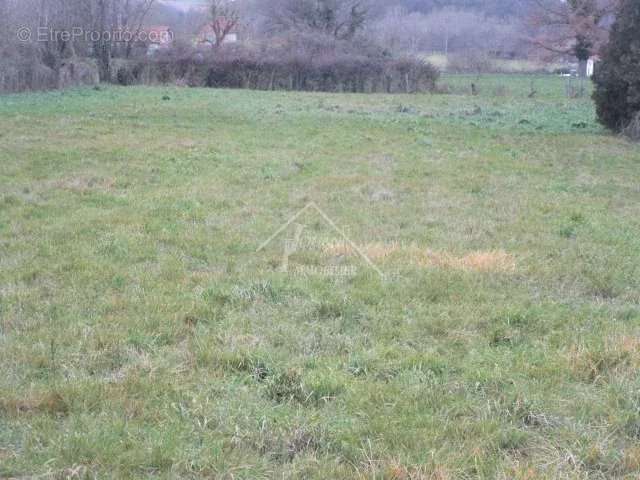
(43, 42)
(380, 30)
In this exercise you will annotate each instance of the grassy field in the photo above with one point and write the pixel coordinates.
(505, 66)
(143, 335)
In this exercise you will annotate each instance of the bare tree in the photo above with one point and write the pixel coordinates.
(102, 47)
(573, 27)
(341, 19)
(224, 18)
(5, 23)
(133, 16)
(448, 30)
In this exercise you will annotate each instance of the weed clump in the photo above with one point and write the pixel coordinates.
(291, 386)
(287, 386)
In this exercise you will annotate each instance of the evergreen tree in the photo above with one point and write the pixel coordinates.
(617, 77)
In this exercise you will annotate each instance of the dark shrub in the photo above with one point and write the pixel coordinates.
(125, 76)
(562, 71)
(410, 75)
(129, 72)
(617, 77)
(316, 67)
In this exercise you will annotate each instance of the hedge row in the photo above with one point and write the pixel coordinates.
(28, 74)
(328, 73)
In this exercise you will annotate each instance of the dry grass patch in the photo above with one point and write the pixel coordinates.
(6, 454)
(49, 403)
(395, 470)
(631, 460)
(478, 261)
(537, 469)
(522, 473)
(84, 184)
(619, 354)
(628, 345)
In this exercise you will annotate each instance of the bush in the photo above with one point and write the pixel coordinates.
(617, 76)
(125, 76)
(25, 67)
(76, 72)
(22, 69)
(411, 75)
(562, 71)
(471, 62)
(304, 62)
(129, 72)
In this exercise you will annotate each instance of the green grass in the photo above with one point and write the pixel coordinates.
(143, 336)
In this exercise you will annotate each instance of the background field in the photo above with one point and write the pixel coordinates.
(142, 335)
(504, 66)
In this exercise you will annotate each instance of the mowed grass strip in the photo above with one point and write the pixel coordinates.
(142, 334)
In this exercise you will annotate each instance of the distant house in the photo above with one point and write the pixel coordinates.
(591, 65)
(157, 37)
(207, 37)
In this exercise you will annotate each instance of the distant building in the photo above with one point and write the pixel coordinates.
(186, 6)
(157, 37)
(591, 66)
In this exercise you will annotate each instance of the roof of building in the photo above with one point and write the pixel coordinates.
(158, 34)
